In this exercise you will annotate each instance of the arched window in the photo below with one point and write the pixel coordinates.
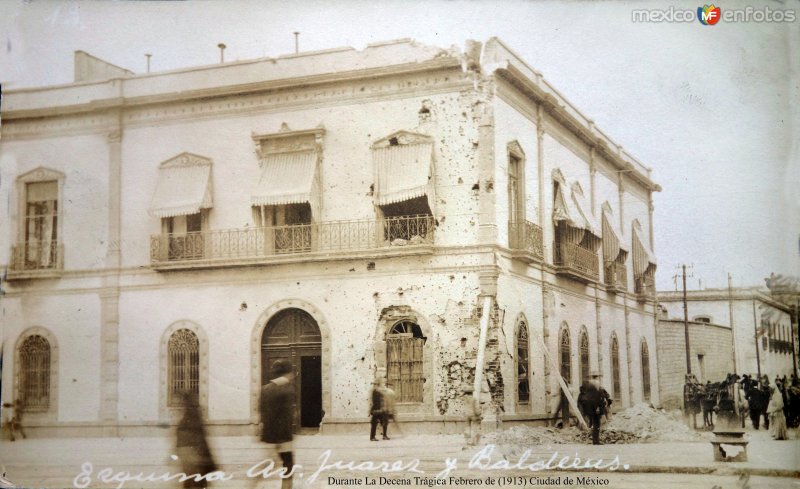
(404, 345)
(564, 351)
(183, 369)
(617, 385)
(34, 384)
(523, 363)
(645, 371)
(584, 347)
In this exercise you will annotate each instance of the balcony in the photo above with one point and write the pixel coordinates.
(292, 243)
(526, 241)
(616, 277)
(645, 288)
(36, 259)
(576, 262)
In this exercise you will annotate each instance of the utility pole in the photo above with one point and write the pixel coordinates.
(686, 320)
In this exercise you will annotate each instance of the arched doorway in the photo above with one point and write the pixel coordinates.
(292, 334)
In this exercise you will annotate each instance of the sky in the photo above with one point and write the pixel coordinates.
(713, 109)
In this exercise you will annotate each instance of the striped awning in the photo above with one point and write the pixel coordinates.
(184, 186)
(403, 172)
(587, 218)
(643, 256)
(613, 241)
(288, 178)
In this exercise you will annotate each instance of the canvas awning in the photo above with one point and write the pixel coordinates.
(184, 186)
(571, 207)
(403, 172)
(643, 256)
(288, 178)
(613, 241)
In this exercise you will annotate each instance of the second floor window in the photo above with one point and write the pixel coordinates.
(404, 190)
(41, 224)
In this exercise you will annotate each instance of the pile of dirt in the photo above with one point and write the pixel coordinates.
(639, 424)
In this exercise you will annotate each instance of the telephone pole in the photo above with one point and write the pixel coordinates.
(686, 320)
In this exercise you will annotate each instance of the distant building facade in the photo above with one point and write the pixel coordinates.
(345, 210)
(739, 331)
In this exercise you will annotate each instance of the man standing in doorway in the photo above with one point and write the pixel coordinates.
(277, 408)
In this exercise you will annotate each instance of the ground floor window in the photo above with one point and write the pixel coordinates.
(523, 363)
(34, 380)
(404, 348)
(183, 351)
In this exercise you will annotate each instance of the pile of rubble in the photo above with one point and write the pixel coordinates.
(639, 424)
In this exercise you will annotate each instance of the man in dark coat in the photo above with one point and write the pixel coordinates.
(277, 416)
(377, 411)
(593, 405)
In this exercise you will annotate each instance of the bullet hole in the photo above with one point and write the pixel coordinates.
(393, 142)
(298, 283)
(352, 269)
(460, 180)
(74, 380)
(371, 265)
(363, 358)
(371, 189)
(375, 295)
(489, 185)
(243, 306)
(463, 342)
(476, 187)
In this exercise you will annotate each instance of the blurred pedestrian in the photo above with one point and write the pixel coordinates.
(192, 443)
(377, 410)
(766, 395)
(775, 411)
(593, 404)
(14, 424)
(389, 404)
(277, 409)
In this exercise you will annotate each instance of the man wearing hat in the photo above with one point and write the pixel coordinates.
(593, 404)
(277, 408)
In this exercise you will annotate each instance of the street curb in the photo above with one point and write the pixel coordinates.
(655, 469)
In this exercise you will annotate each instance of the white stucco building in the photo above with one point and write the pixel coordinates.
(348, 210)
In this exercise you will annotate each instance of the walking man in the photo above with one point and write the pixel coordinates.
(377, 410)
(277, 408)
(593, 405)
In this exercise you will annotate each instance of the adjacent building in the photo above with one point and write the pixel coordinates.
(350, 211)
(741, 330)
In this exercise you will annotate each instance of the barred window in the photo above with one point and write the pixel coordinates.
(645, 371)
(615, 375)
(34, 385)
(183, 352)
(564, 350)
(404, 345)
(584, 346)
(523, 363)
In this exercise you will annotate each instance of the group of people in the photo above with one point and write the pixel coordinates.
(276, 409)
(382, 409)
(776, 404)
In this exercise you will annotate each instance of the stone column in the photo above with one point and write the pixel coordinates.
(109, 296)
(487, 231)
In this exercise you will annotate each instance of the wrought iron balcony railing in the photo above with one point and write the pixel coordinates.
(254, 243)
(616, 277)
(526, 241)
(645, 287)
(576, 261)
(36, 258)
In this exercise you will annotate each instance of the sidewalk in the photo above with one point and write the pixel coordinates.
(56, 462)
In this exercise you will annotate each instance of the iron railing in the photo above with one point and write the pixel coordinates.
(616, 276)
(37, 255)
(645, 287)
(527, 237)
(577, 261)
(253, 243)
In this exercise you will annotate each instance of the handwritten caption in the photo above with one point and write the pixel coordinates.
(485, 459)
